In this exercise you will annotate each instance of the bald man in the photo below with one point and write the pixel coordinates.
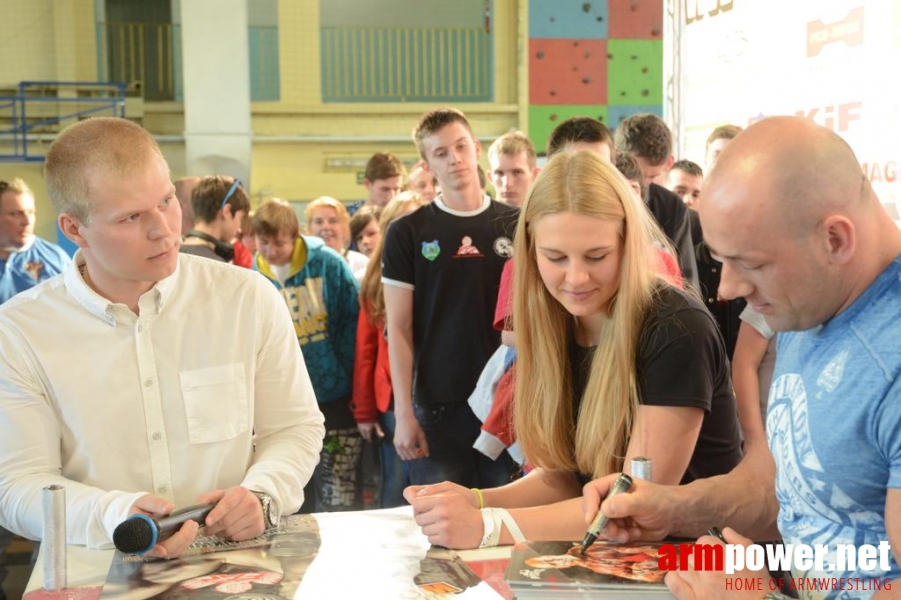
(805, 240)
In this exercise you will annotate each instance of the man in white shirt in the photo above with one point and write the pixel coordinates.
(143, 379)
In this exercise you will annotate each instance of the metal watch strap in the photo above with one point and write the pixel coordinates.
(268, 510)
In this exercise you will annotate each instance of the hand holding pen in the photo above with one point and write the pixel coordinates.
(622, 484)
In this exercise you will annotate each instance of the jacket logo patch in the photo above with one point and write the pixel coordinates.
(431, 250)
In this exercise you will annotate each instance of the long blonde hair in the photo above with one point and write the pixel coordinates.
(595, 440)
(372, 298)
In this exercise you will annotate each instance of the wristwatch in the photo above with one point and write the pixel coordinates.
(270, 519)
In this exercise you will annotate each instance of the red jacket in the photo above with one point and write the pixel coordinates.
(372, 373)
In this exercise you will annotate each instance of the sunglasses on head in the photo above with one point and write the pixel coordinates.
(231, 192)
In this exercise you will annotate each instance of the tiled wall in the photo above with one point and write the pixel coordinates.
(602, 58)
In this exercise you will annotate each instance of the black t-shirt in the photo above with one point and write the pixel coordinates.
(452, 262)
(682, 362)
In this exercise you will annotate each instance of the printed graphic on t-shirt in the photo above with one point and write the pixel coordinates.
(467, 249)
(503, 247)
(306, 304)
(34, 268)
(814, 509)
(431, 250)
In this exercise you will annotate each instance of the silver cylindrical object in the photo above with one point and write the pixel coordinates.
(53, 498)
(641, 468)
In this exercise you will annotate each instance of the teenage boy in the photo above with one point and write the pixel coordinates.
(648, 139)
(513, 167)
(582, 133)
(685, 180)
(321, 294)
(717, 141)
(219, 204)
(422, 182)
(184, 385)
(383, 179)
(442, 268)
(25, 259)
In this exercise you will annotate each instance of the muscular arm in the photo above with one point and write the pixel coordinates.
(744, 499)
(408, 436)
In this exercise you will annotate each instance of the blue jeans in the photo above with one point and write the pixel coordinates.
(395, 474)
(450, 431)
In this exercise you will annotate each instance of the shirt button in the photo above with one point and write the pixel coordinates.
(161, 489)
(148, 383)
(140, 328)
(157, 436)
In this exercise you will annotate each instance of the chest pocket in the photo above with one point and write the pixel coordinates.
(215, 403)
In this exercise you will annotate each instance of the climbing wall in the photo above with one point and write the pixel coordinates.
(602, 59)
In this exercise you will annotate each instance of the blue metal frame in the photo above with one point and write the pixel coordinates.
(17, 106)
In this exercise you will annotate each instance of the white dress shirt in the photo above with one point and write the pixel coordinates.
(205, 390)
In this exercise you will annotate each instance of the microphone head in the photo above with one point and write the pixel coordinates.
(137, 534)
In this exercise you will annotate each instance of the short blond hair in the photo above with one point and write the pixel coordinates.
(511, 144)
(104, 145)
(343, 215)
(16, 186)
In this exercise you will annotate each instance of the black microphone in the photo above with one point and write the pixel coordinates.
(138, 534)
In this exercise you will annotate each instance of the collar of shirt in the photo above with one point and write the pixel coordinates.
(110, 312)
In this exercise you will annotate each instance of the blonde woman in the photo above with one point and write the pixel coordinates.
(372, 396)
(613, 362)
(328, 219)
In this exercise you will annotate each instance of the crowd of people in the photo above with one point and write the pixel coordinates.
(509, 355)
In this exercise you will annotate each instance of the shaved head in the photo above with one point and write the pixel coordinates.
(807, 171)
(797, 225)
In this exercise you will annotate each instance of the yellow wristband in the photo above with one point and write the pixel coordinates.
(479, 495)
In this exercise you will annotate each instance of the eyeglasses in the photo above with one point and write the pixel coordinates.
(231, 192)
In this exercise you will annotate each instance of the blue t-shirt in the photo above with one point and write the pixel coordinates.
(26, 268)
(834, 427)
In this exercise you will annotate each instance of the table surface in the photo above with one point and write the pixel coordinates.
(87, 569)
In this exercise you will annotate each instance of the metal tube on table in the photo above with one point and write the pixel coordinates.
(53, 498)
(641, 468)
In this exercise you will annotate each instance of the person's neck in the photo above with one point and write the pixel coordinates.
(211, 229)
(587, 330)
(877, 249)
(116, 292)
(464, 200)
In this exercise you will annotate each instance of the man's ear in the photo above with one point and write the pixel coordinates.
(840, 238)
(368, 184)
(71, 228)
(478, 145)
(670, 162)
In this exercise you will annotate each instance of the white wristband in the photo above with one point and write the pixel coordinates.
(512, 527)
(491, 529)
(493, 520)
